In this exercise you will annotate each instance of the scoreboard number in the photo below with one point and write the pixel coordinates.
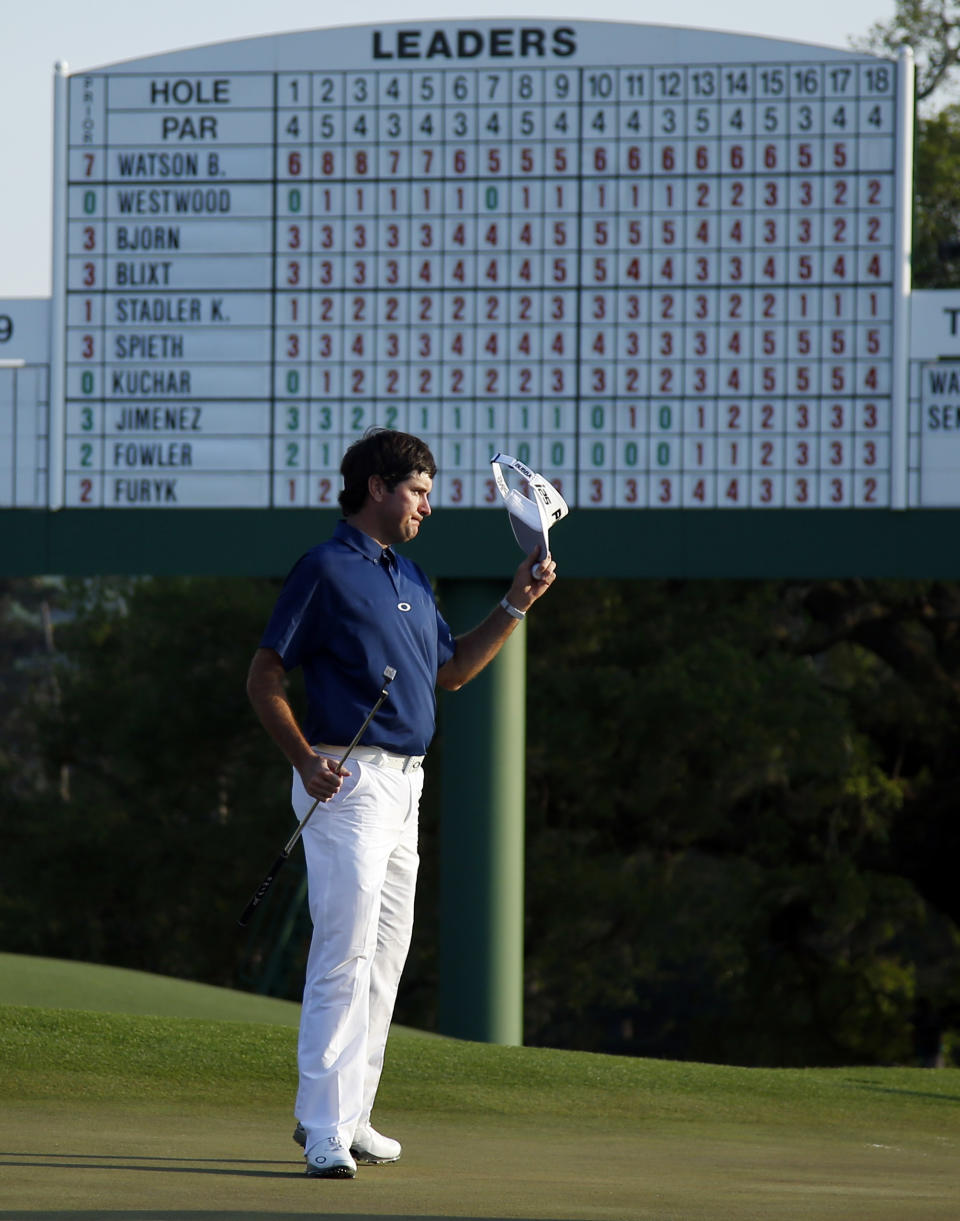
(667, 267)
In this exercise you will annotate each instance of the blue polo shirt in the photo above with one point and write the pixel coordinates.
(347, 610)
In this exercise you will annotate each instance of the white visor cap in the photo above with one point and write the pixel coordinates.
(530, 516)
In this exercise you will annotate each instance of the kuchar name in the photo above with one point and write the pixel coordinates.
(143, 383)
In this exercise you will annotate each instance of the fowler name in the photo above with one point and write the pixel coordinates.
(144, 453)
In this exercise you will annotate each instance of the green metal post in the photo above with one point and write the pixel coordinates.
(483, 734)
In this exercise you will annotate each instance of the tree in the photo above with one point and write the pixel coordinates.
(936, 214)
(739, 820)
(932, 29)
(741, 798)
(175, 801)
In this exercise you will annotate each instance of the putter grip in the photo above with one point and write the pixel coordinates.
(261, 891)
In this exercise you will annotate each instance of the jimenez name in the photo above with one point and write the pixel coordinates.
(158, 419)
(527, 42)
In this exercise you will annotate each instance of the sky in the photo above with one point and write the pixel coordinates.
(36, 34)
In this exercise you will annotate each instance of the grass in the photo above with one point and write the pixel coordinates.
(101, 1056)
(529, 1132)
(53, 983)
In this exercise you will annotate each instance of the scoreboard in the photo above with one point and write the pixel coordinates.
(667, 267)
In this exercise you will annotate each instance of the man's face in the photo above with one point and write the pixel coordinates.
(403, 509)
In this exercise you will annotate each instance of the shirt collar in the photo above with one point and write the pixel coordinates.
(363, 543)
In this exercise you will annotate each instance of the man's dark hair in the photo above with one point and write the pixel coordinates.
(394, 456)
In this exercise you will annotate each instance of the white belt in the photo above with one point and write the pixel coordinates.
(373, 754)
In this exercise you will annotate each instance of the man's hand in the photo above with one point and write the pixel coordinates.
(532, 580)
(321, 778)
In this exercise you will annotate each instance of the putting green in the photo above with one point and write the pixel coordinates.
(106, 1115)
(120, 1160)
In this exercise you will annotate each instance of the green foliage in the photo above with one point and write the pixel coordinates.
(722, 791)
(170, 793)
(936, 218)
(931, 28)
(741, 802)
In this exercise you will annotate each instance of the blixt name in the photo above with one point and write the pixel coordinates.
(501, 43)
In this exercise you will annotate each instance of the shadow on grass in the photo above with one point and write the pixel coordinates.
(891, 1089)
(162, 1214)
(58, 1158)
(154, 1214)
(247, 1167)
(168, 1165)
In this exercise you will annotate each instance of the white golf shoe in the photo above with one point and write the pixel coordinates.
(330, 1160)
(372, 1149)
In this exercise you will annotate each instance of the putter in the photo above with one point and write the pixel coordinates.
(389, 674)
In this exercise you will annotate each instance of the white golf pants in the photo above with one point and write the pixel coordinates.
(361, 853)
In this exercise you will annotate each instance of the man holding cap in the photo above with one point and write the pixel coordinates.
(349, 608)
(530, 516)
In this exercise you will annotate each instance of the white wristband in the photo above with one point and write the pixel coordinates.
(512, 610)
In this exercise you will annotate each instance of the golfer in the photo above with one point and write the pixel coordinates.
(349, 608)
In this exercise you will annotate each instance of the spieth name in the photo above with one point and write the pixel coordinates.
(148, 347)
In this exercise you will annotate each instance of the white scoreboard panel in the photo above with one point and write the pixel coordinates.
(24, 402)
(666, 267)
